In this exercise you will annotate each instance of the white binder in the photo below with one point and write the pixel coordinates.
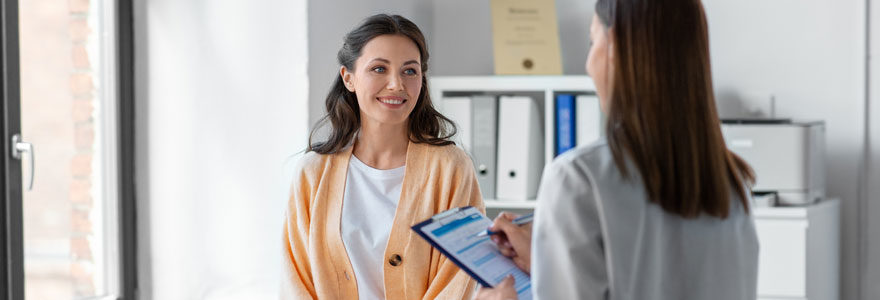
(458, 109)
(484, 143)
(477, 120)
(588, 118)
(520, 148)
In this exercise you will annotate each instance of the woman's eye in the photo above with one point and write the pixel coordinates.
(379, 69)
(410, 72)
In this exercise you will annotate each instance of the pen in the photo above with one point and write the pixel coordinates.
(524, 219)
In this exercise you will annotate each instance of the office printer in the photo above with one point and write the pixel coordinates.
(788, 158)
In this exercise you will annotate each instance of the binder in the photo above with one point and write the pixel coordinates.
(565, 123)
(520, 148)
(589, 119)
(484, 147)
(458, 109)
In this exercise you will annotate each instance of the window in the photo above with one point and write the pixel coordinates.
(69, 108)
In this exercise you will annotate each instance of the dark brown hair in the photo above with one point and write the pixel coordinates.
(426, 124)
(662, 111)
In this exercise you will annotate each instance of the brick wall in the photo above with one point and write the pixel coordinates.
(82, 88)
(60, 116)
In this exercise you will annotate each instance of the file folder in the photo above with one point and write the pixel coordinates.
(589, 119)
(520, 148)
(458, 109)
(484, 133)
(565, 123)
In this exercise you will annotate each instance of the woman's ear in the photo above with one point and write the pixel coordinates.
(610, 41)
(346, 78)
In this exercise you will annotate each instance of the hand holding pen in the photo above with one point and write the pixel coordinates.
(519, 221)
(514, 240)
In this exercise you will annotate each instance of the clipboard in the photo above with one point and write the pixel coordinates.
(455, 233)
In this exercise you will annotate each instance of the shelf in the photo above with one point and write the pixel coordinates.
(510, 204)
(793, 212)
(543, 89)
(545, 86)
(440, 84)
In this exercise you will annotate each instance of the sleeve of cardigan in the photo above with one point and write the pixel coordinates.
(450, 281)
(296, 282)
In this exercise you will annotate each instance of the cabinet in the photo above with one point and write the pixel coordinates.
(800, 251)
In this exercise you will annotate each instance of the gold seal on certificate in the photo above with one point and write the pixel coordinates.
(525, 35)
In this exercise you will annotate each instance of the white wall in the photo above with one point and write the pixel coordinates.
(810, 56)
(221, 107)
(462, 39)
(330, 20)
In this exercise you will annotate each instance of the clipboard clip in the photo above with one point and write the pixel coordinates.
(448, 216)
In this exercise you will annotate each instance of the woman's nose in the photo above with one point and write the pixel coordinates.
(395, 83)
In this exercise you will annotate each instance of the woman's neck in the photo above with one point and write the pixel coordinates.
(382, 146)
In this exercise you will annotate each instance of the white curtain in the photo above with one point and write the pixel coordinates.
(221, 115)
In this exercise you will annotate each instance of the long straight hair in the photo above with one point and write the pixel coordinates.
(662, 112)
(426, 124)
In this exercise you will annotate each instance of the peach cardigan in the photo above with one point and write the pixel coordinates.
(316, 264)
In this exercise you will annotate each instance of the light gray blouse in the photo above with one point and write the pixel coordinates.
(596, 236)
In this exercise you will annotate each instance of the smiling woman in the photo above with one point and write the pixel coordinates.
(371, 46)
(386, 91)
(387, 163)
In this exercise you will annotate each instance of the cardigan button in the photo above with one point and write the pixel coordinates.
(395, 260)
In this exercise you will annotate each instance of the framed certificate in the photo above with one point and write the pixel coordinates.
(525, 37)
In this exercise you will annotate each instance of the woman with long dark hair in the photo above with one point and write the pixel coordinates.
(660, 208)
(387, 164)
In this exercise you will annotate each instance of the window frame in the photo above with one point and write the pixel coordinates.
(126, 139)
(12, 250)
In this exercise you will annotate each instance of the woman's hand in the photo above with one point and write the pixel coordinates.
(502, 291)
(514, 241)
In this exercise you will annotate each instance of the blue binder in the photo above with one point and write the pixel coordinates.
(565, 123)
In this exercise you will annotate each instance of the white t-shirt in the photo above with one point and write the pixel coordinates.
(368, 207)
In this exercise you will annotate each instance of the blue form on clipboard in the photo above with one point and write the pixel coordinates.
(456, 233)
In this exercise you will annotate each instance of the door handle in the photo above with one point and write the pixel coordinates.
(20, 147)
